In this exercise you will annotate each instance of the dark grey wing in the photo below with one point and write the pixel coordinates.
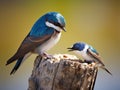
(96, 56)
(98, 59)
(29, 44)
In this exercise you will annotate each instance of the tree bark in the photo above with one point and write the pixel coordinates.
(64, 72)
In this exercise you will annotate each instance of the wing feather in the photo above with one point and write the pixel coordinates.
(96, 56)
(28, 45)
(98, 59)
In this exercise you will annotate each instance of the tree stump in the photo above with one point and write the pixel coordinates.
(64, 72)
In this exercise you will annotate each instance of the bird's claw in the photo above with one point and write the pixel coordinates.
(47, 56)
(89, 62)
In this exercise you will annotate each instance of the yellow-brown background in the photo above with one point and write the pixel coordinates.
(96, 22)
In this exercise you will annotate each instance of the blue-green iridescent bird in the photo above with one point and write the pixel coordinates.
(44, 34)
(88, 53)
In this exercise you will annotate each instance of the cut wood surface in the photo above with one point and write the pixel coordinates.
(63, 72)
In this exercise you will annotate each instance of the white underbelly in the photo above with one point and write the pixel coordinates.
(84, 55)
(48, 44)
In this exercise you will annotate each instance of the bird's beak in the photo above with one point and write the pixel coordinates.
(70, 49)
(63, 28)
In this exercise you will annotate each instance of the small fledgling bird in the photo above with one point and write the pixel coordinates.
(88, 53)
(44, 34)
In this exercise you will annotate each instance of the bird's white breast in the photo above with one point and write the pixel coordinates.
(83, 54)
(48, 44)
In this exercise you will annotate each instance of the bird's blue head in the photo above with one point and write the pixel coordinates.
(49, 21)
(55, 20)
(77, 46)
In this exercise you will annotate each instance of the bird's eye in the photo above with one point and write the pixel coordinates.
(46, 19)
(76, 46)
(57, 24)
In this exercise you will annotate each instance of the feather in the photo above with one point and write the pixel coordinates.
(17, 65)
(106, 70)
(95, 56)
(28, 45)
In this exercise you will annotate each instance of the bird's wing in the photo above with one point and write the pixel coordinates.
(29, 44)
(95, 56)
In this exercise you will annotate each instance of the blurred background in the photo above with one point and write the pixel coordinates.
(96, 22)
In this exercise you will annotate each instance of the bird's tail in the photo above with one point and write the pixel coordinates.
(17, 65)
(103, 67)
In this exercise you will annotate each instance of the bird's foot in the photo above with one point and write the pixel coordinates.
(47, 56)
(88, 61)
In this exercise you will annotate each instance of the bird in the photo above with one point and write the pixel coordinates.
(88, 53)
(44, 34)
